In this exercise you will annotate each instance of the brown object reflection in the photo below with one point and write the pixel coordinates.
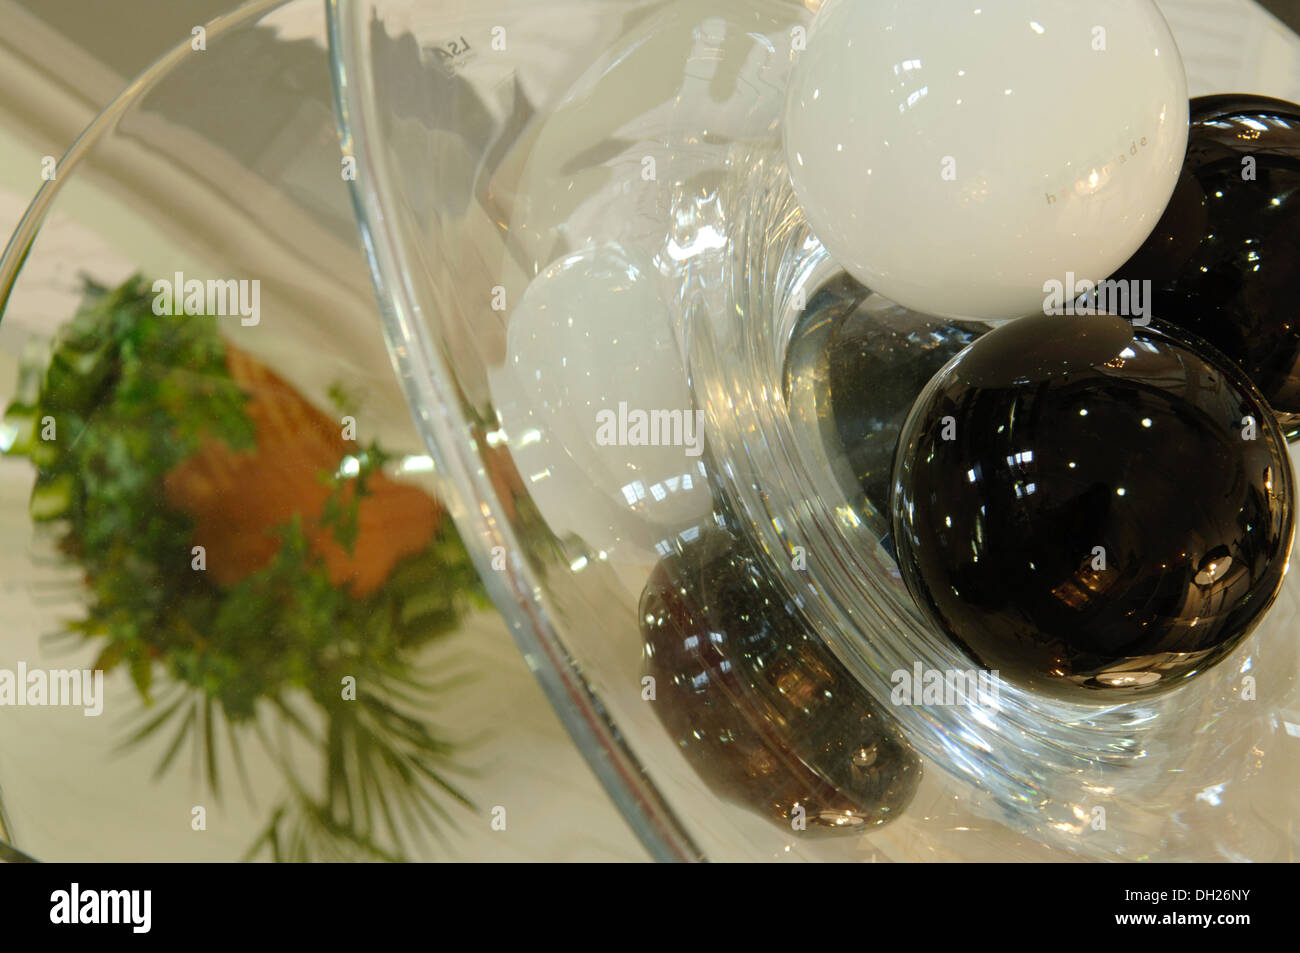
(238, 498)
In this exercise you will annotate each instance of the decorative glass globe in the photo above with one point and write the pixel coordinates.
(938, 148)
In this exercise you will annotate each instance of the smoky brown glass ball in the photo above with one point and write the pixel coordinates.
(1096, 511)
(764, 713)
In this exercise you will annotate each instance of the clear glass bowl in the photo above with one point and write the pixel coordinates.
(575, 211)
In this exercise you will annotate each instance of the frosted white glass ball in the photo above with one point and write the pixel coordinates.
(956, 155)
(595, 406)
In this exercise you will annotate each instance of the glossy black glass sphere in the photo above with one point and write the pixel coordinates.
(1092, 509)
(764, 713)
(1224, 260)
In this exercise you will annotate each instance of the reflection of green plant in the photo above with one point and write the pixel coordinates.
(130, 395)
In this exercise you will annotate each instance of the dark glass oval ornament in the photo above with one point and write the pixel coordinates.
(1224, 259)
(765, 714)
(876, 372)
(855, 364)
(1094, 510)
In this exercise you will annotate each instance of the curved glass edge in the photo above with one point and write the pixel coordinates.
(424, 377)
(20, 242)
(8, 853)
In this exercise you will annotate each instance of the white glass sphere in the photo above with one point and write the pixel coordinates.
(956, 155)
(595, 405)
